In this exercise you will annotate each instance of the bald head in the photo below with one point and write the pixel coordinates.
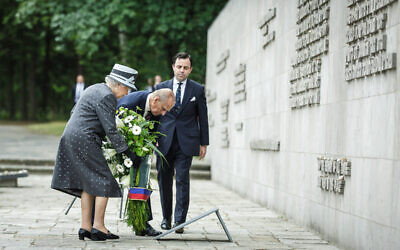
(161, 101)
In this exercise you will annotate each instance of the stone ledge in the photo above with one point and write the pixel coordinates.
(27, 161)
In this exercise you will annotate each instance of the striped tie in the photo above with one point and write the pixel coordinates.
(178, 97)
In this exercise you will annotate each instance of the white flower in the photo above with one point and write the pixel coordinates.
(125, 181)
(122, 111)
(128, 119)
(136, 130)
(119, 122)
(128, 163)
(113, 169)
(120, 168)
(109, 152)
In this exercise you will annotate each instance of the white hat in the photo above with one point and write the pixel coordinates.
(124, 75)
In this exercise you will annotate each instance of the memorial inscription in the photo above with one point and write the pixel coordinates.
(240, 84)
(224, 110)
(224, 137)
(221, 64)
(224, 117)
(366, 52)
(211, 96)
(333, 173)
(239, 126)
(268, 37)
(312, 43)
(265, 145)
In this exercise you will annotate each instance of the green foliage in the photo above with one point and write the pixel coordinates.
(138, 134)
(137, 215)
(48, 128)
(44, 44)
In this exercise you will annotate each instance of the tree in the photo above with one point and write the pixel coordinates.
(44, 44)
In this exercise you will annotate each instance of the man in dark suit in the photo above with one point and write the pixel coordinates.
(78, 88)
(186, 130)
(151, 105)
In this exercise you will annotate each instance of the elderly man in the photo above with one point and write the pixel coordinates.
(81, 169)
(151, 106)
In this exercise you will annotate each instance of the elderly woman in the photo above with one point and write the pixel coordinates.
(81, 169)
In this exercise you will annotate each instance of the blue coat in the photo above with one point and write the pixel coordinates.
(134, 100)
(190, 122)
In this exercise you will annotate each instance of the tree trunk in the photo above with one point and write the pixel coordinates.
(11, 96)
(78, 65)
(172, 50)
(31, 88)
(122, 46)
(46, 69)
(23, 92)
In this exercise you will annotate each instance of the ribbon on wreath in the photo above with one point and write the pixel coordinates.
(139, 194)
(140, 176)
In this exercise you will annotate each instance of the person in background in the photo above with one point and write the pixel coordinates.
(157, 80)
(150, 86)
(78, 88)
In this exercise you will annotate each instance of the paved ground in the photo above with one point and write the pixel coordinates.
(32, 215)
(16, 142)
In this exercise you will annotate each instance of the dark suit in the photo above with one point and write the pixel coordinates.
(132, 101)
(185, 130)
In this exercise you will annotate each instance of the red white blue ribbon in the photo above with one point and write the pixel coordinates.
(138, 193)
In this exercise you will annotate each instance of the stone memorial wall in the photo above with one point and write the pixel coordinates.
(366, 38)
(304, 109)
(312, 42)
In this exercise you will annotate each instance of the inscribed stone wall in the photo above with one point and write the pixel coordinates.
(304, 110)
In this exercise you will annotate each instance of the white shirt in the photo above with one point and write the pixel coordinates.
(175, 87)
(78, 90)
(147, 107)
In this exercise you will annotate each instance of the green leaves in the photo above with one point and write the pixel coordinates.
(60, 39)
(137, 131)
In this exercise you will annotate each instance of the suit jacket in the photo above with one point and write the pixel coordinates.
(190, 122)
(134, 100)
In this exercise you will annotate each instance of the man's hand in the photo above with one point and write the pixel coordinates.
(203, 151)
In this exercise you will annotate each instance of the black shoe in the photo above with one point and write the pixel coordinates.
(82, 233)
(166, 224)
(98, 235)
(111, 236)
(149, 231)
(180, 230)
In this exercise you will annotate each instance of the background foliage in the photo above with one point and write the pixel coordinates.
(44, 44)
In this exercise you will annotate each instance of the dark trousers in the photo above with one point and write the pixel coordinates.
(179, 163)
